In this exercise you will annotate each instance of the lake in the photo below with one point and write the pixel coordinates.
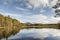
(37, 34)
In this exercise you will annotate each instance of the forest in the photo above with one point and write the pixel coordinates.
(9, 26)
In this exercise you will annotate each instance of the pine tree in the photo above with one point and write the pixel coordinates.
(57, 11)
(57, 8)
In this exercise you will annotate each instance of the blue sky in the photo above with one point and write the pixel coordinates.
(34, 11)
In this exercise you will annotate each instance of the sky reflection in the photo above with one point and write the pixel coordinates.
(38, 34)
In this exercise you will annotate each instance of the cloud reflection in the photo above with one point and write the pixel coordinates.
(38, 34)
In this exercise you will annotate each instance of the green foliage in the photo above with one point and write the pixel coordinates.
(58, 25)
(41, 26)
(8, 26)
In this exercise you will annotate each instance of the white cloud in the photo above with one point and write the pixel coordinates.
(38, 3)
(28, 6)
(19, 8)
(34, 3)
(53, 2)
(12, 15)
(53, 20)
(40, 18)
(42, 10)
(22, 9)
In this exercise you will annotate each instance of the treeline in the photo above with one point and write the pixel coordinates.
(30, 25)
(9, 26)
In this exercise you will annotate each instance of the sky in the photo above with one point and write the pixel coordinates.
(33, 11)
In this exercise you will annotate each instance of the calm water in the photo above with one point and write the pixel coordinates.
(37, 34)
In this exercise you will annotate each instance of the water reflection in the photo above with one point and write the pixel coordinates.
(37, 34)
(27, 38)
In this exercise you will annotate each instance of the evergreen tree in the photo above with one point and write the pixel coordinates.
(57, 11)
